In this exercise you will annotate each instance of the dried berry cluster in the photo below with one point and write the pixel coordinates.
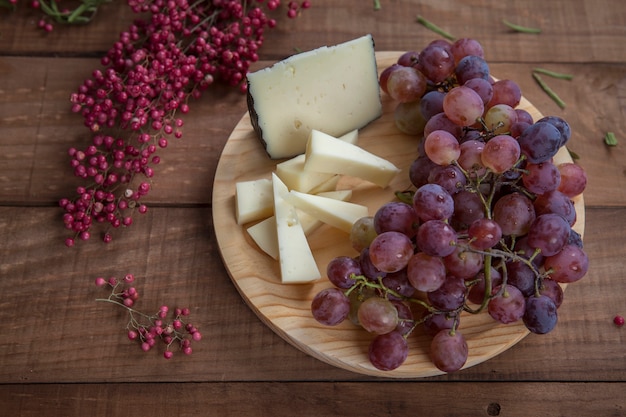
(133, 104)
(167, 326)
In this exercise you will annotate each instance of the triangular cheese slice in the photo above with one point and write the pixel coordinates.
(297, 264)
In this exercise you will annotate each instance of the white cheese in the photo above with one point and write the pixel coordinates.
(254, 200)
(264, 232)
(325, 153)
(264, 235)
(337, 213)
(326, 186)
(351, 137)
(334, 89)
(292, 173)
(297, 264)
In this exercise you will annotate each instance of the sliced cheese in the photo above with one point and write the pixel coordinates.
(264, 235)
(325, 153)
(334, 89)
(292, 173)
(350, 137)
(310, 222)
(297, 264)
(264, 232)
(254, 200)
(327, 186)
(337, 213)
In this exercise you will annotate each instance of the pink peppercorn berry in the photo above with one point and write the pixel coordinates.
(618, 321)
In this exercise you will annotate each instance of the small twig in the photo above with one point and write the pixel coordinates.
(429, 25)
(518, 28)
(553, 74)
(554, 96)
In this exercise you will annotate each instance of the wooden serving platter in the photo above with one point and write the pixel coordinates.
(286, 308)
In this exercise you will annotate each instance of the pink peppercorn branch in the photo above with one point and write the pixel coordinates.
(167, 326)
(132, 105)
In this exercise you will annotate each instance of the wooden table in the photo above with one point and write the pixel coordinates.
(62, 354)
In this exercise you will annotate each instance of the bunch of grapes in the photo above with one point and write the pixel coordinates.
(487, 228)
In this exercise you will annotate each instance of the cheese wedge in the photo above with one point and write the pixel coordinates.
(325, 153)
(292, 172)
(326, 186)
(264, 232)
(334, 89)
(337, 213)
(254, 200)
(297, 264)
(264, 235)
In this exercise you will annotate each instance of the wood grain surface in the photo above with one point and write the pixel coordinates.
(62, 354)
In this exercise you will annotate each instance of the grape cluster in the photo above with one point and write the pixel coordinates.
(133, 105)
(487, 227)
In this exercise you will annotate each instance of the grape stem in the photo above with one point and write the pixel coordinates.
(362, 281)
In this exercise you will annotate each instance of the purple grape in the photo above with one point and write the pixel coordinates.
(569, 265)
(540, 142)
(449, 351)
(549, 232)
(540, 315)
(433, 202)
(436, 238)
(388, 351)
(471, 66)
(426, 273)
(507, 305)
(330, 306)
(449, 177)
(396, 216)
(562, 126)
(340, 270)
(431, 104)
(450, 296)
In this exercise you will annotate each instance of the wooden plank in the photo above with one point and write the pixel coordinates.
(38, 128)
(594, 30)
(53, 330)
(317, 398)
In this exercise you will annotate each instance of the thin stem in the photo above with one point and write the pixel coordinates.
(553, 74)
(130, 309)
(431, 26)
(519, 28)
(554, 96)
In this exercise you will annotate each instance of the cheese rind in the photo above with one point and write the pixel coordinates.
(334, 89)
(325, 153)
(337, 213)
(254, 200)
(297, 264)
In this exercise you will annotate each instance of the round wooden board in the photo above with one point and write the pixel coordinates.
(286, 308)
